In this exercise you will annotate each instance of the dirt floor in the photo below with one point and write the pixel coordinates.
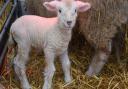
(112, 76)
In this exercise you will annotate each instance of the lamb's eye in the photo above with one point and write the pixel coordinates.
(60, 11)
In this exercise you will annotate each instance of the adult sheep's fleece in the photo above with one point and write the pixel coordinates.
(104, 19)
(35, 7)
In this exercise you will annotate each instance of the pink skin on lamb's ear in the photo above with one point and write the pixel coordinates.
(82, 7)
(51, 6)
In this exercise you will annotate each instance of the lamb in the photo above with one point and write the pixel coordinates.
(50, 34)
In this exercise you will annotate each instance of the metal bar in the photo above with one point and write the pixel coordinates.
(4, 7)
(2, 57)
(5, 30)
(7, 21)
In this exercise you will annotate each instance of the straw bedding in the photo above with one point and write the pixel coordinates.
(111, 77)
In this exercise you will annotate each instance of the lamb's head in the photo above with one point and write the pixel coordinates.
(67, 11)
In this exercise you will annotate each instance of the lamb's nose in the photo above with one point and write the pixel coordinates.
(69, 22)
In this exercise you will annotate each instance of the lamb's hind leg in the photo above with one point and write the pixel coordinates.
(99, 59)
(19, 66)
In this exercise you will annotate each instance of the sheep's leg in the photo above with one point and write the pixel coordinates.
(117, 53)
(122, 63)
(99, 59)
(19, 66)
(97, 63)
(116, 45)
(66, 66)
(49, 69)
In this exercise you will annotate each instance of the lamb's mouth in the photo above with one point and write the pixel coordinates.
(67, 27)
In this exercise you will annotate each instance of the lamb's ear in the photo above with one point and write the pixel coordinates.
(51, 6)
(82, 7)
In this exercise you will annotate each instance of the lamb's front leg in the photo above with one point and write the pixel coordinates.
(66, 66)
(49, 69)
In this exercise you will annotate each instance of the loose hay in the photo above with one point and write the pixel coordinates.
(111, 77)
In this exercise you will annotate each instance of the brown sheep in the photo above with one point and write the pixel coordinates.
(102, 27)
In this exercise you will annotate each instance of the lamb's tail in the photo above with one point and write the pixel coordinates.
(11, 40)
(12, 47)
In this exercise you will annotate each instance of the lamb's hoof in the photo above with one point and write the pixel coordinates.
(68, 79)
(27, 87)
(47, 87)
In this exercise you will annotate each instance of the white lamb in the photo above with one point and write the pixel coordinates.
(50, 34)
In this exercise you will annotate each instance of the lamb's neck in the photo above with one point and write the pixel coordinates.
(62, 29)
(63, 34)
